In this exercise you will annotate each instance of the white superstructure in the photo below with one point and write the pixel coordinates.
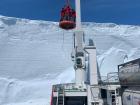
(84, 92)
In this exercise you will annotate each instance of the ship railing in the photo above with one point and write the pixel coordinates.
(111, 78)
(67, 87)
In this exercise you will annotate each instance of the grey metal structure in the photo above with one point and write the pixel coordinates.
(129, 76)
(129, 73)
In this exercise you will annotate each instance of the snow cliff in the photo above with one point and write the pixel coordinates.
(36, 54)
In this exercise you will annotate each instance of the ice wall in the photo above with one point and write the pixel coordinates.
(36, 54)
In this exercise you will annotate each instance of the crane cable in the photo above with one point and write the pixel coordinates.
(68, 2)
(63, 38)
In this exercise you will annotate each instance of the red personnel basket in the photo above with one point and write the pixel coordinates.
(65, 24)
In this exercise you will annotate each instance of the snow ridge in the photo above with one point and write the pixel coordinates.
(36, 54)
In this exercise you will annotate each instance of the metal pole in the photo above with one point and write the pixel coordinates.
(78, 15)
(79, 53)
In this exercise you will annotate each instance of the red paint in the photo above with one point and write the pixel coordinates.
(139, 103)
(68, 17)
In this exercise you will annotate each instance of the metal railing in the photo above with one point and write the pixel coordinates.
(67, 87)
(111, 78)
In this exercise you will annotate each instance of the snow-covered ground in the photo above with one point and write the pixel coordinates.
(36, 54)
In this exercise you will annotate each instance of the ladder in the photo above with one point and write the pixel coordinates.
(60, 97)
(113, 95)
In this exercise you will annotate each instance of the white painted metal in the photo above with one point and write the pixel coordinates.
(131, 96)
(89, 95)
(67, 94)
(118, 100)
(57, 98)
(110, 89)
(78, 47)
(93, 89)
(79, 41)
(80, 76)
(78, 15)
(94, 95)
(93, 73)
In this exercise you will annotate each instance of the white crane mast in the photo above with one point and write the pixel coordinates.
(87, 89)
(78, 54)
(80, 50)
(78, 15)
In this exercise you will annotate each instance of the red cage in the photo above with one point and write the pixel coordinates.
(68, 17)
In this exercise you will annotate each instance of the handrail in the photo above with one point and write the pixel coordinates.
(111, 78)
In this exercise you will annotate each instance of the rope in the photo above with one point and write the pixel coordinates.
(68, 2)
(63, 38)
(63, 44)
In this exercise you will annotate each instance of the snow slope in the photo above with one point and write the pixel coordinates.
(36, 54)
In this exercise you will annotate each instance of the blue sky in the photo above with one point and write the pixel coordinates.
(115, 11)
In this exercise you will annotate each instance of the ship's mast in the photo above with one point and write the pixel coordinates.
(93, 91)
(78, 54)
(78, 15)
(80, 50)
